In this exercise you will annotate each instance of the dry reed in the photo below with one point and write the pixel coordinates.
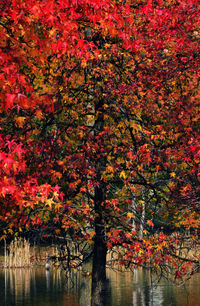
(17, 254)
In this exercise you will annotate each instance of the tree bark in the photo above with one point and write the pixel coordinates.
(100, 247)
(142, 219)
(100, 252)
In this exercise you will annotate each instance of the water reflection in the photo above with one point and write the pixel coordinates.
(36, 287)
(41, 287)
(48, 279)
(135, 289)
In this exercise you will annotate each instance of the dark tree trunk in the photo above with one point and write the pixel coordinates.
(100, 248)
(100, 251)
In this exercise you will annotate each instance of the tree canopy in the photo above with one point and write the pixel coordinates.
(99, 136)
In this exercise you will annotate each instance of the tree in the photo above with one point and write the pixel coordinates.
(99, 116)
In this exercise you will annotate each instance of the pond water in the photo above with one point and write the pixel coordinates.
(36, 286)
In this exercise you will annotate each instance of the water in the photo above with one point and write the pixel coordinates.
(38, 287)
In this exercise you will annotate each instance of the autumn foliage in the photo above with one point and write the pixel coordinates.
(99, 134)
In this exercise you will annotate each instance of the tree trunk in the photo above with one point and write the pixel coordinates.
(99, 273)
(100, 252)
(100, 247)
(142, 219)
(134, 209)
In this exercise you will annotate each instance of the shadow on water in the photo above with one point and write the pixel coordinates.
(36, 286)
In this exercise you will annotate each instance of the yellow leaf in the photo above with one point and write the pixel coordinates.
(20, 121)
(172, 174)
(52, 32)
(130, 215)
(123, 174)
(49, 203)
